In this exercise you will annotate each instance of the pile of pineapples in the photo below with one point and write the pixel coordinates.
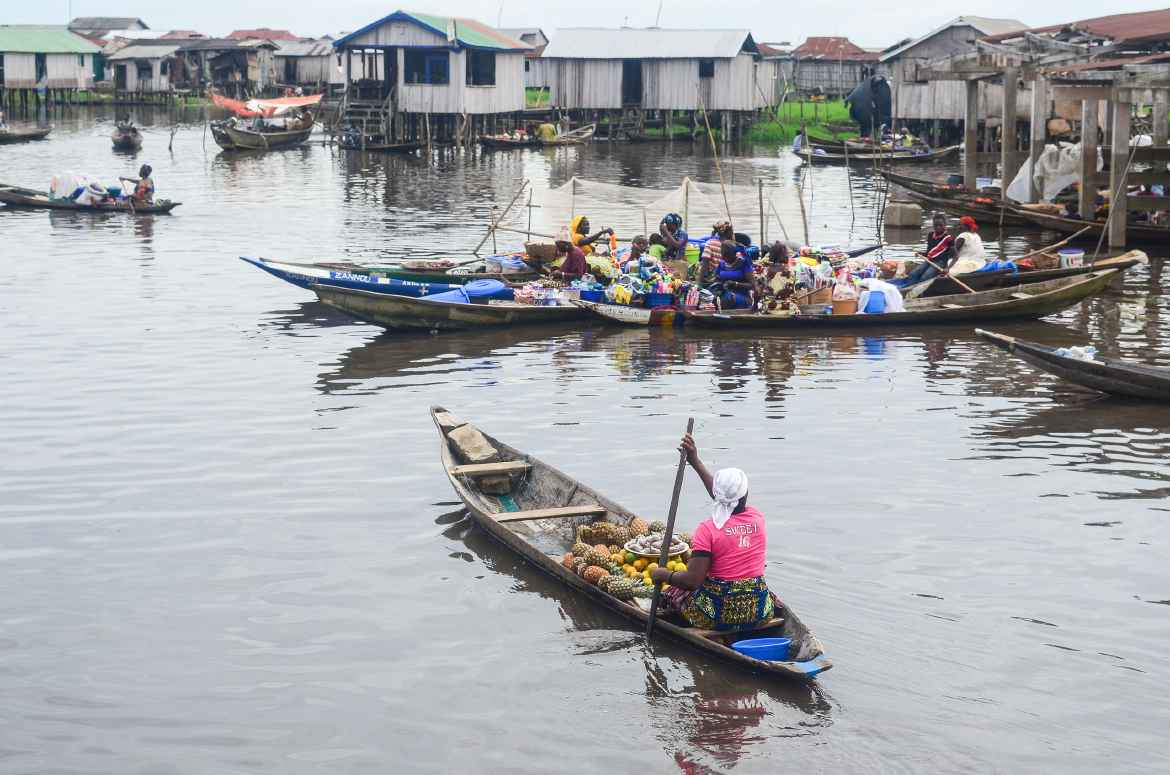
(599, 557)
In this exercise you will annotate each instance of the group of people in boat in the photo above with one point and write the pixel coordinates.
(948, 253)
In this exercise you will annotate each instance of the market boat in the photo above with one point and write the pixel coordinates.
(126, 138)
(1012, 303)
(1142, 232)
(927, 187)
(492, 142)
(382, 147)
(353, 276)
(1004, 278)
(1119, 378)
(458, 274)
(537, 520)
(404, 312)
(629, 315)
(232, 136)
(15, 196)
(900, 156)
(578, 136)
(23, 135)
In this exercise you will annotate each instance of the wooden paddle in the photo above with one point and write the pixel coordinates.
(1060, 244)
(943, 273)
(664, 554)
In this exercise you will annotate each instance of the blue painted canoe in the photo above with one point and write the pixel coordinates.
(353, 277)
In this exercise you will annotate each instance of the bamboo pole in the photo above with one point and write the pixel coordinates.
(496, 221)
(718, 166)
(763, 232)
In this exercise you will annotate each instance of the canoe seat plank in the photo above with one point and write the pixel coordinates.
(488, 469)
(585, 510)
(775, 622)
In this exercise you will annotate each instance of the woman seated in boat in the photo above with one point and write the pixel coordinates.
(720, 232)
(969, 252)
(573, 266)
(674, 237)
(940, 245)
(640, 262)
(579, 234)
(779, 282)
(735, 279)
(723, 586)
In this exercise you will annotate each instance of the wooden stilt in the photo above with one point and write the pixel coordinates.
(1009, 159)
(1088, 193)
(1118, 164)
(1039, 131)
(971, 136)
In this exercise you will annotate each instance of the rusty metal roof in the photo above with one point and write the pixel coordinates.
(832, 48)
(1143, 26)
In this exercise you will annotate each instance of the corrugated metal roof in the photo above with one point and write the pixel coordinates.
(40, 39)
(266, 33)
(106, 23)
(984, 25)
(1119, 28)
(831, 48)
(305, 48)
(140, 51)
(648, 43)
(468, 32)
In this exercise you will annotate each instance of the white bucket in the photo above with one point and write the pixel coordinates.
(1071, 258)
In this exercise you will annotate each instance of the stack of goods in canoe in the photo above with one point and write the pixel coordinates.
(577, 536)
(72, 191)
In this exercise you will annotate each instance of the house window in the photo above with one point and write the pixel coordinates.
(164, 67)
(481, 68)
(427, 66)
(527, 66)
(706, 68)
(81, 60)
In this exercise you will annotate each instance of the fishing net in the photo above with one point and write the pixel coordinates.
(765, 213)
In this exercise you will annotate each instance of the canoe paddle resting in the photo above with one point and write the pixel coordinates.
(539, 513)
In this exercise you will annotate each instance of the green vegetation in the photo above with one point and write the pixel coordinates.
(536, 97)
(784, 124)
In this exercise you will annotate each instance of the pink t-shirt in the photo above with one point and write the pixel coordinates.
(739, 550)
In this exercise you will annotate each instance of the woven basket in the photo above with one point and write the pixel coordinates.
(543, 251)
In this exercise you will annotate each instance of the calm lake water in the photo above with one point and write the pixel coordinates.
(228, 545)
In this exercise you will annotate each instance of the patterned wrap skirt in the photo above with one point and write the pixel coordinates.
(724, 605)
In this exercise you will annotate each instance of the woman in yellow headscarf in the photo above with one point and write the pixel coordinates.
(579, 234)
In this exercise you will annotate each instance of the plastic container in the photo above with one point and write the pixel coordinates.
(844, 306)
(768, 649)
(1071, 258)
(875, 304)
(651, 300)
(595, 296)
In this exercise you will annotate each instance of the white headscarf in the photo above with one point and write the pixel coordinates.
(729, 486)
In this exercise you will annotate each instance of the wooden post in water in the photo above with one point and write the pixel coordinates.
(971, 136)
(1008, 153)
(1039, 131)
(1118, 167)
(763, 231)
(1160, 116)
(1088, 193)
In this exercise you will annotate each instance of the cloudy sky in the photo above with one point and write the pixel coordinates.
(874, 24)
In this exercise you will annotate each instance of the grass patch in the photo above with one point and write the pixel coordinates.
(784, 123)
(537, 97)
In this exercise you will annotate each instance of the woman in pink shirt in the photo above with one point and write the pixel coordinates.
(723, 587)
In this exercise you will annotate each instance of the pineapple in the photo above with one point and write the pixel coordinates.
(597, 557)
(594, 574)
(622, 589)
(658, 526)
(639, 526)
(579, 549)
(568, 560)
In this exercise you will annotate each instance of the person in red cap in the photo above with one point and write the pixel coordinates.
(969, 253)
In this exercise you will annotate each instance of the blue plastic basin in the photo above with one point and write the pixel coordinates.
(595, 296)
(770, 649)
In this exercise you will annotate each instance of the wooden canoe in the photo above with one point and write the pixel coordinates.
(23, 135)
(15, 196)
(629, 315)
(1014, 303)
(1004, 278)
(126, 139)
(352, 276)
(1134, 231)
(578, 136)
(507, 143)
(232, 137)
(541, 489)
(1119, 378)
(988, 213)
(862, 157)
(458, 275)
(423, 314)
(385, 147)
